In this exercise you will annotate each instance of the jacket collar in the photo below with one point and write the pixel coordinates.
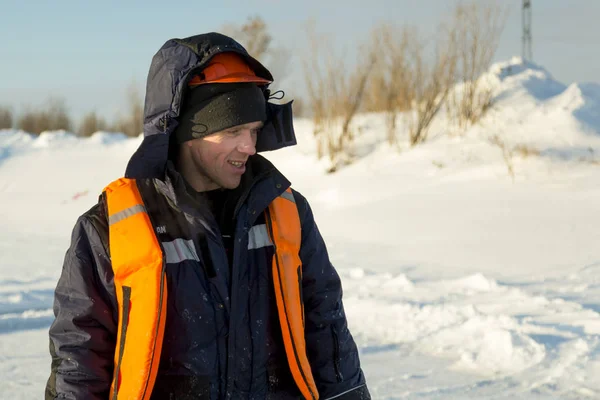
(260, 185)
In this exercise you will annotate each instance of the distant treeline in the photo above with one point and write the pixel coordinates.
(54, 115)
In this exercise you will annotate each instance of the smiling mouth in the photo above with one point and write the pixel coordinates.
(237, 164)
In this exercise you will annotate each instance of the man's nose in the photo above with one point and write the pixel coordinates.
(247, 144)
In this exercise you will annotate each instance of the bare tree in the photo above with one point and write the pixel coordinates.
(53, 116)
(6, 118)
(59, 117)
(29, 122)
(476, 29)
(255, 37)
(132, 124)
(91, 123)
(335, 94)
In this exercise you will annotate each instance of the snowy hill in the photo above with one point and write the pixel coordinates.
(533, 109)
(460, 282)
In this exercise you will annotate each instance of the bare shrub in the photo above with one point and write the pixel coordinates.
(53, 116)
(510, 152)
(525, 151)
(417, 77)
(431, 82)
(299, 107)
(335, 95)
(91, 123)
(476, 29)
(390, 88)
(507, 154)
(6, 118)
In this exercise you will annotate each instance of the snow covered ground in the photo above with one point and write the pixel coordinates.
(461, 282)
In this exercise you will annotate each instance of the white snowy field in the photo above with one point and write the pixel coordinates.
(461, 282)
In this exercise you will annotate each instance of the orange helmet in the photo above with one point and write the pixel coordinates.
(227, 67)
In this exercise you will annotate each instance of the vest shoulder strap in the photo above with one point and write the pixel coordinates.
(140, 285)
(286, 233)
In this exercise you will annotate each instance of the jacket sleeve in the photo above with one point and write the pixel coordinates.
(331, 350)
(83, 334)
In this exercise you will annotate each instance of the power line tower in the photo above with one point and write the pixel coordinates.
(527, 51)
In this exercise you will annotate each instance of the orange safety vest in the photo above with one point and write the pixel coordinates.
(140, 283)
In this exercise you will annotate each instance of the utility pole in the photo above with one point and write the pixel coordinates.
(527, 51)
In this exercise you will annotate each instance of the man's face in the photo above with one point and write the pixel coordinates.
(220, 158)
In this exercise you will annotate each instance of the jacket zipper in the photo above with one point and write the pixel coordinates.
(336, 354)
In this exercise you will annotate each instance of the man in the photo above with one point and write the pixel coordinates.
(201, 274)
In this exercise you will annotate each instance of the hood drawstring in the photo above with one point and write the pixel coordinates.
(278, 95)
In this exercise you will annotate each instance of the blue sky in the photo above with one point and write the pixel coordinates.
(88, 52)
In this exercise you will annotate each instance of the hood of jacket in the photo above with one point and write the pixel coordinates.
(171, 69)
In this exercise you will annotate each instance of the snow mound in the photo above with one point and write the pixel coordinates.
(107, 138)
(532, 115)
(473, 283)
(54, 139)
(582, 101)
(12, 137)
(516, 78)
(13, 141)
(356, 273)
(494, 346)
(400, 282)
(519, 82)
